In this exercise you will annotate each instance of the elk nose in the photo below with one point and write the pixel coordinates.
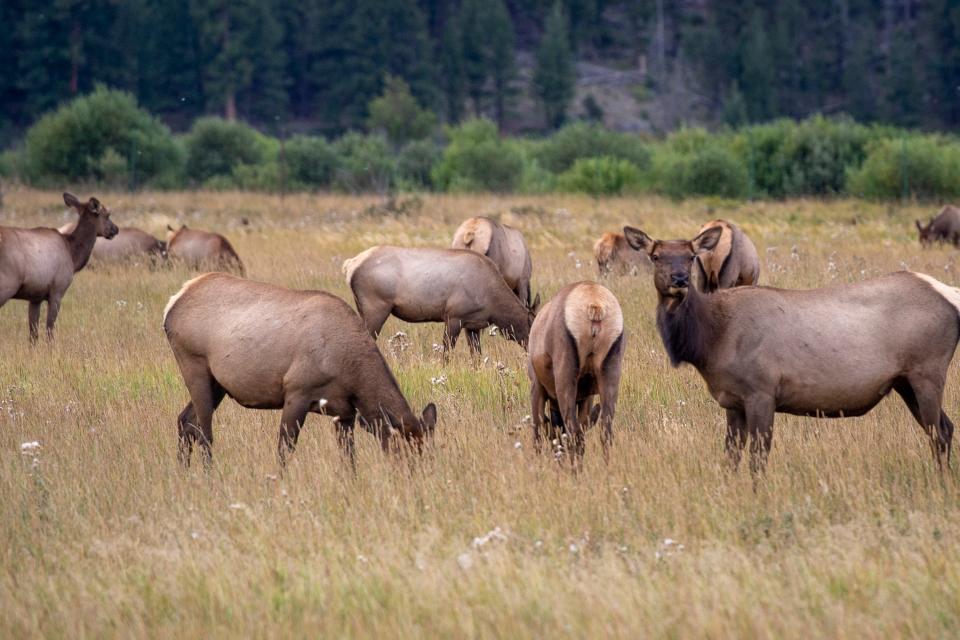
(680, 279)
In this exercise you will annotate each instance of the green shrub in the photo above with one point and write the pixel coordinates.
(708, 171)
(71, 143)
(398, 114)
(560, 151)
(9, 163)
(311, 162)
(477, 159)
(415, 164)
(364, 164)
(921, 167)
(216, 147)
(600, 176)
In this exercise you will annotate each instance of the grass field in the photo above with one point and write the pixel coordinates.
(851, 533)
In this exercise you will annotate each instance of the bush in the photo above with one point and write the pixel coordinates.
(708, 171)
(216, 147)
(71, 143)
(600, 176)
(398, 114)
(364, 164)
(9, 163)
(927, 167)
(311, 162)
(560, 151)
(415, 164)
(477, 159)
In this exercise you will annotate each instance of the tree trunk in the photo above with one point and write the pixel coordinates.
(230, 104)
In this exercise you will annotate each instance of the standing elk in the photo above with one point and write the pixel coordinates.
(269, 347)
(129, 243)
(733, 262)
(944, 228)
(201, 249)
(832, 352)
(38, 264)
(458, 287)
(576, 352)
(502, 244)
(615, 256)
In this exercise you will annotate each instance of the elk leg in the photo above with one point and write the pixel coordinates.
(450, 335)
(473, 339)
(608, 382)
(759, 414)
(187, 432)
(33, 321)
(537, 402)
(345, 439)
(567, 399)
(923, 397)
(196, 420)
(556, 421)
(291, 420)
(374, 316)
(53, 310)
(736, 436)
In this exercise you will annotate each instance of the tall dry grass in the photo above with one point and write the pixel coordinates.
(851, 533)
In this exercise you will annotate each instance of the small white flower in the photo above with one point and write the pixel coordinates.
(28, 447)
(238, 505)
(439, 380)
(574, 548)
(465, 560)
(362, 558)
(194, 535)
(322, 402)
(517, 445)
(492, 331)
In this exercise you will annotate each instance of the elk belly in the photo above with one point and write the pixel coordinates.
(829, 396)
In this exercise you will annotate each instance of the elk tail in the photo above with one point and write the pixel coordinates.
(595, 313)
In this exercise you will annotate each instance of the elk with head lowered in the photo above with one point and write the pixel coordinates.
(202, 249)
(460, 288)
(944, 228)
(833, 352)
(37, 265)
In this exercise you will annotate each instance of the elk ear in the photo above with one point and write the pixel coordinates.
(637, 239)
(94, 206)
(429, 417)
(707, 240)
(919, 226)
(71, 200)
(535, 305)
(169, 228)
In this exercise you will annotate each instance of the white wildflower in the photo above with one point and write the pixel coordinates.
(465, 560)
(29, 447)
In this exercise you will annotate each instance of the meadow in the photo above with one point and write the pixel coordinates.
(851, 532)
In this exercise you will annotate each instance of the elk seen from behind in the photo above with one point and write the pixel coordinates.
(833, 352)
(733, 262)
(504, 245)
(616, 257)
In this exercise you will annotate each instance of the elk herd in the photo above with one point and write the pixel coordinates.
(831, 352)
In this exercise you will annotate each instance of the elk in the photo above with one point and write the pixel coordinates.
(833, 352)
(38, 264)
(615, 256)
(502, 244)
(458, 287)
(733, 262)
(944, 228)
(269, 347)
(129, 243)
(202, 249)
(576, 352)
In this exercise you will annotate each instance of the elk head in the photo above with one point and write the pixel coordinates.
(926, 233)
(672, 260)
(94, 210)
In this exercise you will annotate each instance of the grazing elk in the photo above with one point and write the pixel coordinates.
(502, 244)
(38, 264)
(576, 352)
(733, 262)
(269, 347)
(831, 352)
(201, 249)
(460, 288)
(129, 243)
(944, 228)
(615, 256)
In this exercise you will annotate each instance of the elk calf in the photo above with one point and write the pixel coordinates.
(460, 288)
(944, 228)
(502, 244)
(38, 264)
(201, 249)
(576, 352)
(614, 256)
(268, 347)
(733, 262)
(832, 352)
(130, 243)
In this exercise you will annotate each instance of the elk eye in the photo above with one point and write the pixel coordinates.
(654, 257)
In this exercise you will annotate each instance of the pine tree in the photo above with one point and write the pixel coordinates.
(501, 58)
(471, 25)
(554, 77)
(757, 77)
(452, 74)
(170, 79)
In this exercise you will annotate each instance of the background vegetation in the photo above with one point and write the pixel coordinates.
(852, 533)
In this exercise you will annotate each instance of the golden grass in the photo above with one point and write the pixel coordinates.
(852, 532)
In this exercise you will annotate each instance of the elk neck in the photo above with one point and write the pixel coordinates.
(80, 242)
(685, 327)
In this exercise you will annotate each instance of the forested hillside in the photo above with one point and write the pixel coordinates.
(315, 65)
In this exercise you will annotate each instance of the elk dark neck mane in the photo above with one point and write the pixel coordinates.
(81, 241)
(683, 326)
(381, 400)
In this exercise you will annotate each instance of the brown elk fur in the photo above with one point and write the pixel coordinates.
(458, 287)
(615, 256)
(576, 352)
(129, 243)
(38, 264)
(268, 347)
(202, 249)
(831, 352)
(944, 228)
(732, 263)
(502, 244)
